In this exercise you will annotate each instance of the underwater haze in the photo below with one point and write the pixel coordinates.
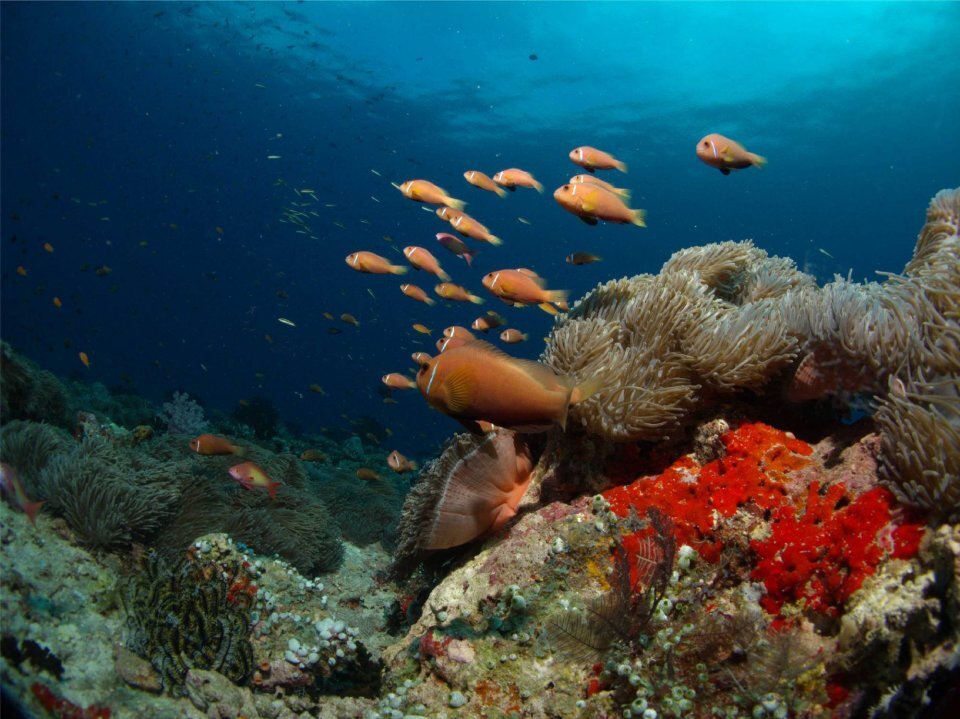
(161, 150)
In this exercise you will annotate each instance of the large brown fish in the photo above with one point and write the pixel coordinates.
(476, 381)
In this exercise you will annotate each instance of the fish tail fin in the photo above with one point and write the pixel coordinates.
(455, 203)
(557, 296)
(501, 192)
(622, 166)
(430, 301)
(623, 192)
(476, 300)
(414, 466)
(639, 218)
(272, 489)
(238, 450)
(494, 240)
(585, 389)
(548, 308)
(399, 270)
(443, 276)
(468, 256)
(539, 186)
(31, 509)
(757, 160)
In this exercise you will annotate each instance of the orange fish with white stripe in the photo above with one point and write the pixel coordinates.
(726, 155)
(590, 159)
(469, 227)
(373, 263)
(592, 203)
(418, 294)
(514, 178)
(523, 287)
(427, 192)
(478, 179)
(477, 381)
(395, 380)
(594, 180)
(422, 259)
(213, 444)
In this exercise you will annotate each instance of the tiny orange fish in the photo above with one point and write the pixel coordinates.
(317, 389)
(416, 293)
(400, 464)
(450, 291)
(373, 263)
(83, 358)
(395, 380)
(591, 203)
(478, 179)
(103, 270)
(250, 476)
(590, 159)
(422, 329)
(514, 178)
(350, 319)
(469, 227)
(422, 259)
(726, 155)
(425, 191)
(512, 336)
(48, 247)
(57, 303)
(582, 258)
(313, 455)
(213, 444)
(22, 271)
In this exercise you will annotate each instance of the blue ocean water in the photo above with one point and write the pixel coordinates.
(131, 132)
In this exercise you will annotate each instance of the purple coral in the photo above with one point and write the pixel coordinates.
(183, 415)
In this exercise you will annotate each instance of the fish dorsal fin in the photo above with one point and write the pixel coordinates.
(528, 272)
(460, 388)
(537, 371)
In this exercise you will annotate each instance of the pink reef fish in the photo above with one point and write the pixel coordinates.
(11, 486)
(250, 476)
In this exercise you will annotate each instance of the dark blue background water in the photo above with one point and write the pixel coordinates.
(131, 131)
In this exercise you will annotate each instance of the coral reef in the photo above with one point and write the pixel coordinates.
(28, 392)
(182, 415)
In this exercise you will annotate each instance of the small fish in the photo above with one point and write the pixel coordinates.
(11, 486)
(213, 444)
(285, 321)
(467, 226)
(328, 315)
(521, 287)
(395, 380)
(591, 203)
(313, 455)
(424, 191)
(22, 271)
(582, 258)
(456, 246)
(84, 359)
(218, 230)
(823, 251)
(594, 180)
(456, 293)
(726, 155)
(478, 179)
(374, 264)
(251, 476)
(422, 329)
(590, 158)
(334, 331)
(514, 178)
(274, 157)
(422, 259)
(400, 464)
(367, 474)
(350, 319)
(458, 331)
(57, 303)
(48, 247)
(376, 173)
(512, 336)
(317, 389)
(524, 220)
(103, 270)
(420, 358)
(487, 322)
(416, 293)
(477, 381)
